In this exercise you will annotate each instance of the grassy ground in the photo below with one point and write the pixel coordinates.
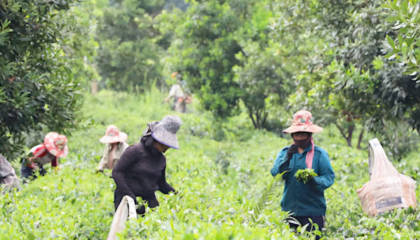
(220, 182)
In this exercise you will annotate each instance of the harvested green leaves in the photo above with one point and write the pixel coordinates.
(304, 175)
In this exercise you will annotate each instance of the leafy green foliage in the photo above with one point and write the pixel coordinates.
(129, 56)
(262, 76)
(304, 175)
(404, 48)
(37, 86)
(266, 196)
(226, 56)
(351, 63)
(81, 23)
(339, 76)
(206, 54)
(176, 4)
(348, 78)
(77, 203)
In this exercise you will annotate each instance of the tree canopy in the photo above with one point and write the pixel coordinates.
(37, 85)
(354, 64)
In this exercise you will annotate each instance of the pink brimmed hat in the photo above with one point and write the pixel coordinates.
(302, 122)
(113, 135)
(56, 144)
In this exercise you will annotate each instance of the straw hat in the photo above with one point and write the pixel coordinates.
(56, 144)
(302, 122)
(113, 135)
(165, 131)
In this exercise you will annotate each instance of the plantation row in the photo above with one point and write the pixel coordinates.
(221, 183)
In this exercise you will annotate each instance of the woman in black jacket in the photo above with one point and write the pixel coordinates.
(141, 169)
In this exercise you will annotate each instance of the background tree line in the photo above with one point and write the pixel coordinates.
(354, 64)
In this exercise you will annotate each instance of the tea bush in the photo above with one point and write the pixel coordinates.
(220, 183)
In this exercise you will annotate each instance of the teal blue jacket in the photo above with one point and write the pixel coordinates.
(304, 199)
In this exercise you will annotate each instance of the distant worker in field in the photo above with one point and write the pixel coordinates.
(304, 200)
(8, 178)
(115, 141)
(178, 94)
(53, 147)
(140, 172)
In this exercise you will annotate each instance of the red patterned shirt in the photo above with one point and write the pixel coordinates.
(42, 157)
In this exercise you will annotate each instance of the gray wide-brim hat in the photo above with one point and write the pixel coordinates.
(165, 131)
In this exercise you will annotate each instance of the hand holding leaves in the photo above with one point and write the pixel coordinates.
(304, 175)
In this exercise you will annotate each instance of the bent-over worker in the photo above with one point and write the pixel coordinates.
(115, 141)
(53, 147)
(140, 172)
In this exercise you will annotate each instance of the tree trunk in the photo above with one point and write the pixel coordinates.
(258, 116)
(359, 143)
(350, 131)
(252, 118)
(264, 119)
(349, 135)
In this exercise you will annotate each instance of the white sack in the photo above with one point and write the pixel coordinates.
(126, 209)
(387, 188)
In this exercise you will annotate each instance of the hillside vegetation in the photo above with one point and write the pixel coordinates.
(220, 184)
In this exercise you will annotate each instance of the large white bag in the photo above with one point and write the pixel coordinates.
(387, 188)
(126, 209)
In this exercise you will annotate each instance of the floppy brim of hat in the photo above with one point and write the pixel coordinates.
(165, 137)
(304, 128)
(59, 153)
(49, 145)
(121, 137)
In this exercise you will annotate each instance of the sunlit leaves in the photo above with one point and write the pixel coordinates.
(406, 18)
(35, 71)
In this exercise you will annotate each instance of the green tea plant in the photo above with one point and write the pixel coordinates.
(304, 175)
(239, 201)
(266, 196)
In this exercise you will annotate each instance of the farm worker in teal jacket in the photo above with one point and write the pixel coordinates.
(304, 201)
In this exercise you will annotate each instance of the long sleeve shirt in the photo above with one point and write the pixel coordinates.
(304, 199)
(140, 172)
(40, 153)
(8, 176)
(175, 92)
(117, 154)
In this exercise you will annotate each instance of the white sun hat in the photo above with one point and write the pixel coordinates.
(113, 135)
